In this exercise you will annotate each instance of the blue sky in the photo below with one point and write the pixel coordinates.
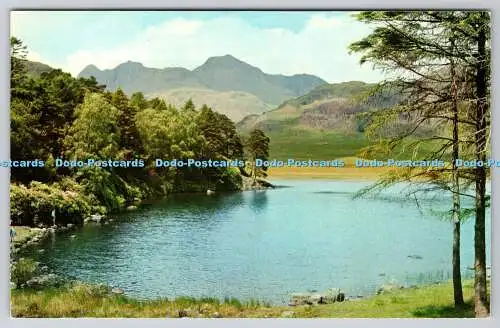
(277, 42)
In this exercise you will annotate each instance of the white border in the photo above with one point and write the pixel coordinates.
(6, 321)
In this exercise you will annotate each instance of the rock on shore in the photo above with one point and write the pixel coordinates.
(45, 281)
(258, 184)
(328, 297)
(97, 218)
(388, 288)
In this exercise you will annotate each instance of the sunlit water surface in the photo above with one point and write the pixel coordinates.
(311, 235)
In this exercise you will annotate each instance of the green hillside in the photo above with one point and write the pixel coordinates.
(34, 69)
(324, 123)
(329, 99)
(235, 104)
(335, 90)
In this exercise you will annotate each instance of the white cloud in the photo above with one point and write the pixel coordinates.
(320, 48)
(177, 27)
(33, 56)
(322, 22)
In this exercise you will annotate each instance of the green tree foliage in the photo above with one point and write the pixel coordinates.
(220, 141)
(18, 53)
(94, 133)
(54, 115)
(443, 63)
(138, 101)
(166, 133)
(42, 110)
(129, 138)
(220, 136)
(257, 146)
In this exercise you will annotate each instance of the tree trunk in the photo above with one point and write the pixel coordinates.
(457, 276)
(481, 305)
(254, 172)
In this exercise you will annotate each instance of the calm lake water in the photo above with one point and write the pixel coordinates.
(311, 235)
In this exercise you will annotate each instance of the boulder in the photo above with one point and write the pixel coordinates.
(70, 225)
(97, 218)
(117, 291)
(333, 295)
(205, 308)
(288, 314)
(328, 297)
(315, 299)
(389, 288)
(131, 208)
(300, 299)
(210, 192)
(45, 281)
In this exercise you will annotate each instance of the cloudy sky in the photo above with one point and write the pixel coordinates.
(276, 42)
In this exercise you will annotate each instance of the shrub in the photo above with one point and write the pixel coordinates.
(109, 189)
(22, 271)
(34, 204)
(229, 180)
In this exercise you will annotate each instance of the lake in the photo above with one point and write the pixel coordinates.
(265, 245)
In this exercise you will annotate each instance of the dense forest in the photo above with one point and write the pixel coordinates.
(55, 116)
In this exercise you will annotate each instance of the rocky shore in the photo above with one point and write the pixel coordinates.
(23, 237)
(257, 184)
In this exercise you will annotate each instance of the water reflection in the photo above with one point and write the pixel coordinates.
(263, 245)
(258, 200)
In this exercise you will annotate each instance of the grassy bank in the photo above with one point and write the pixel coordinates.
(348, 172)
(81, 300)
(24, 234)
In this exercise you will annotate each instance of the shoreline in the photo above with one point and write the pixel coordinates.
(327, 173)
(34, 236)
(100, 301)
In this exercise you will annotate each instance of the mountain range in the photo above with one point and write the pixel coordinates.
(300, 113)
(227, 84)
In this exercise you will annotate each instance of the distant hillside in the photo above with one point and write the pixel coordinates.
(325, 122)
(35, 68)
(328, 106)
(235, 104)
(131, 77)
(220, 74)
(228, 73)
(326, 91)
